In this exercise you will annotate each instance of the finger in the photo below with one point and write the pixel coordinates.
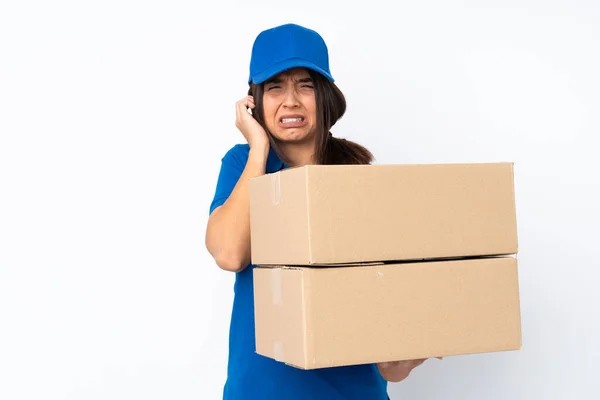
(241, 107)
(239, 104)
(238, 108)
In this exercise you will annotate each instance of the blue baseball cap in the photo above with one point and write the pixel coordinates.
(288, 46)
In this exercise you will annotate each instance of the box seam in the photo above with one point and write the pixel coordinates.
(308, 226)
(306, 331)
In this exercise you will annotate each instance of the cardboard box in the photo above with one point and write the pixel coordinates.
(360, 213)
(323, 317)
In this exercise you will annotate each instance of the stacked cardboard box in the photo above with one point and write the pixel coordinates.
(371, 263)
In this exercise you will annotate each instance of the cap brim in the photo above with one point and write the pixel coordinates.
(284, 66)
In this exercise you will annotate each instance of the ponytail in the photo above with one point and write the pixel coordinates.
(342, 151)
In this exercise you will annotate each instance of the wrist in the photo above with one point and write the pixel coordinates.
(258, 154)
(259, 150)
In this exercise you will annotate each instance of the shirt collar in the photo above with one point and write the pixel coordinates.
(274, 164)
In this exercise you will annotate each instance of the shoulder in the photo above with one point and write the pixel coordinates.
(232, 167)
(237, 154)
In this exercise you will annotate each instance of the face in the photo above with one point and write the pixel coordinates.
(289, 106)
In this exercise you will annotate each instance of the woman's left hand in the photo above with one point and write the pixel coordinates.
(397, 371)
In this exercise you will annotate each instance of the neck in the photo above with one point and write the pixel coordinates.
(298, 154)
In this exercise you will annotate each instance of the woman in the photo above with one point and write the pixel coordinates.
(294, 103)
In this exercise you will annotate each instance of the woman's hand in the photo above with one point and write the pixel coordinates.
(254, 133)
(397, 371)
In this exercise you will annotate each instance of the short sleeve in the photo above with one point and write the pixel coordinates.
(232, 167)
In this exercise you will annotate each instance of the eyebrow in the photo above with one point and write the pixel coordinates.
(273, 80)
(278, 80)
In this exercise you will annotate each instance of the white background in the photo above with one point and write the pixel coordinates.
(114, 116)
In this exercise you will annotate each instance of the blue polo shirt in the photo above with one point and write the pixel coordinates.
(251, 376)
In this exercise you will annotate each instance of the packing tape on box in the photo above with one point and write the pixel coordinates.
(278, 351)
(276, 284)
(275, 189)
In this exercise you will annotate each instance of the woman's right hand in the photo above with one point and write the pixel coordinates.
(254, 133)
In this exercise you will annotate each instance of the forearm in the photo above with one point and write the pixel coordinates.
(228, 230)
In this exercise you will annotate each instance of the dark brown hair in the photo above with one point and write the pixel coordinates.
(331, 106)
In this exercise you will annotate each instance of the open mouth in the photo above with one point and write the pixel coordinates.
(291, 120)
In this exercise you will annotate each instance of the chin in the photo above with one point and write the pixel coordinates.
(293, 137)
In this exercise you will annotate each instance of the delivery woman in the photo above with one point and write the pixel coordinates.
(286, 118)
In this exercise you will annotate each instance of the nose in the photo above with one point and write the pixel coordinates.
(290, 100)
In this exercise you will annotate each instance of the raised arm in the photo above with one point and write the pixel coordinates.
(228, 229)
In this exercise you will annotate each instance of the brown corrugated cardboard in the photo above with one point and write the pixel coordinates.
(323, 317)
(357, 213)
